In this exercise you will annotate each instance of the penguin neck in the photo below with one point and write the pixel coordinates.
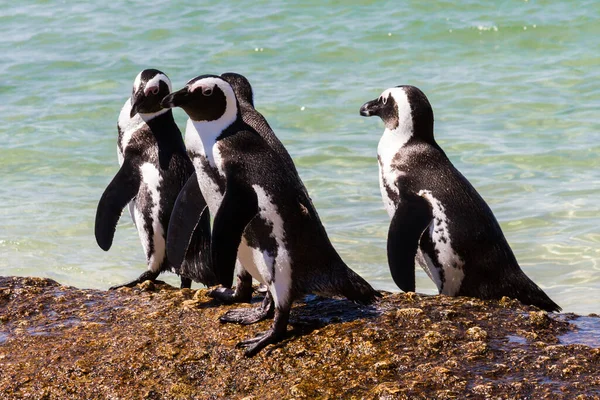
(168, 137)
(201, 137)
(147, 117)
(209, 131)
(395, 139)
(165, 129)
(402, 135)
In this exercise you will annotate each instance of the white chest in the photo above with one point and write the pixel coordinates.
(201, 142)
(209, 188)
(128, 127)
(389, 145)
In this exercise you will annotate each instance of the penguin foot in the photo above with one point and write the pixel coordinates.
(244, 316)
(146, 276)
(243, 290)
(136, 282)
(273, 335)
(254, 345)
(248, 316)
(230, 296)
(262, 288)
(186, 283)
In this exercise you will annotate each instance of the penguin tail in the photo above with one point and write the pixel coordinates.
(197, 263)
(537, 297)
(355, 288)
(527, 292)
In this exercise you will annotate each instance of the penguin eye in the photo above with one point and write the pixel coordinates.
(154, 90)
(207, 91)
(384, 100)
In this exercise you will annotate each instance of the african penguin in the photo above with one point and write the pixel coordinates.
(154, 166)
(438, 218)
(262, 213)
(177, 232)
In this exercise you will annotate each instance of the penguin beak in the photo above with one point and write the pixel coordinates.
(370, 108)
(137, 100)
(175, 99)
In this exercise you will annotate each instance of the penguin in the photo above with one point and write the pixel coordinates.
(154, 166)
(438, 218)
(179, 233)
(262, 213)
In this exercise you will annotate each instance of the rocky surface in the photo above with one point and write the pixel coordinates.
(158, 342)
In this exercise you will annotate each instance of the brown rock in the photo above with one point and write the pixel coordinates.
(159, 342)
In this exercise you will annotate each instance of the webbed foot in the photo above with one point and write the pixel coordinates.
(273, 335)
(242, 294)
(146, 276)
(248, 316)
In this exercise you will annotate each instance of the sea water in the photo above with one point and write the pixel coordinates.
(515, 88)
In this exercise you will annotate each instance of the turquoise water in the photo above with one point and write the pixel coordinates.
(515, 88)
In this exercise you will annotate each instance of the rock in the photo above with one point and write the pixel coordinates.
(158, 342)
(539, 319)
(408, 313)
(476, 333)
(147, 286)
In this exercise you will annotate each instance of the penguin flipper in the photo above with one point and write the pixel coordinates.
(239, 206)
(190, 221)
(119, 192)
(197, 264)
(413, 215)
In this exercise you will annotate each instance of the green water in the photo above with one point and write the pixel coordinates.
(515, 87)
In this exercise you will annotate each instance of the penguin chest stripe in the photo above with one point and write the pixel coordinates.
(446, 256)
(208, 183)
(389, 146)
(389, 192)
(152, 229)
(281, 263)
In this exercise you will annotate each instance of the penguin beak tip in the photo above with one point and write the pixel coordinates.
(364, 111)
(166, 102)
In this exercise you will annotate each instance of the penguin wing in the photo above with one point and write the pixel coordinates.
(190, 222)
(197, 265)
(120, 191)
(413, 215)
(239, 206)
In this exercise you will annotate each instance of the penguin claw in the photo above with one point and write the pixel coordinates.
(256, 344)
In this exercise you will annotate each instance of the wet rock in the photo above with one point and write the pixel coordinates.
(539, 319)
(408, 313)
(476, 333)
(159, 342)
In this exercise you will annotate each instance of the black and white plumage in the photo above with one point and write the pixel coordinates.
(438, 218)
(263, 214)
(154, 166)
(179, 231)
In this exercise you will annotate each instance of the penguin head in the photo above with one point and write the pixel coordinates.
(403, 109)
(149, 88)
(241, 87)
(205, 98)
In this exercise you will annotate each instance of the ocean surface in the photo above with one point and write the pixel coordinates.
(515, 88)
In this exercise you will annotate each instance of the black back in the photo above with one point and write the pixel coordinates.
(317, 267)
(490, 267)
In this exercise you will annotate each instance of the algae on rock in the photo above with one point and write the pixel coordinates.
(158, 342)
